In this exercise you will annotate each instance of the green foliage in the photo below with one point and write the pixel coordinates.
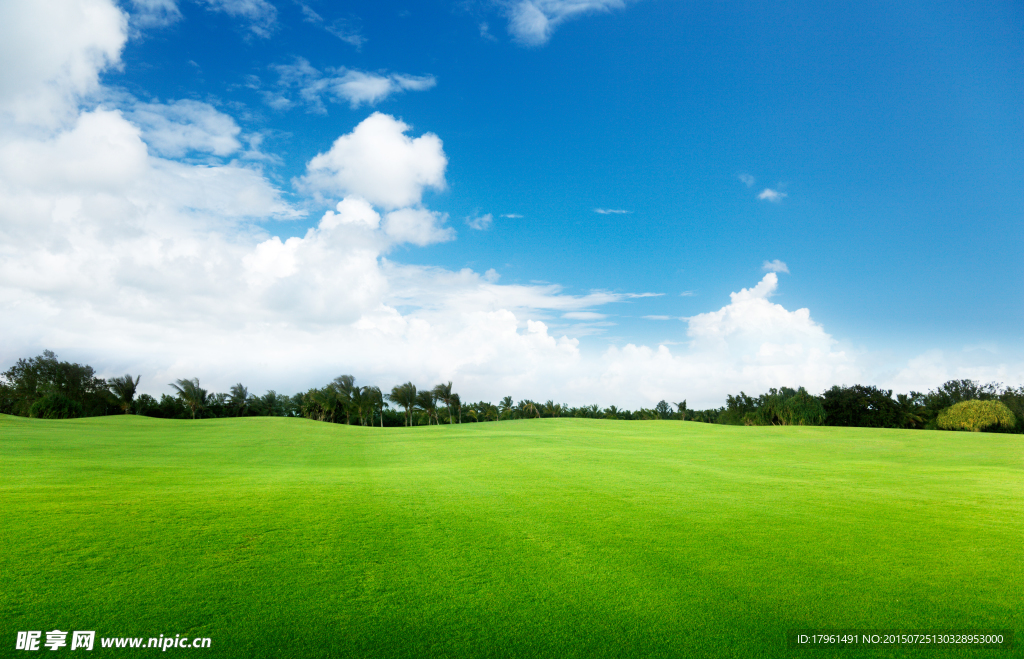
(977, 416)
(29, 380)
(55, 405)
(778, 407)
(123, 390)
(862, 407)
(192, 395)
(951, 393)
(1014, 400)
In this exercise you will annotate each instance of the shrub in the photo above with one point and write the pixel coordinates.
(55, 406)
(977, 416)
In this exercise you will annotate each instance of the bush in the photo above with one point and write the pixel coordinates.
(977, 416)
(55, 406)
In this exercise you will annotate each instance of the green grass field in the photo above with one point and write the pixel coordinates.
(545, 538)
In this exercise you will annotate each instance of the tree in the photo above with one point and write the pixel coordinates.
(345, 385)
(443, 393)
(457, 404)
(191, 394)
(376, 400)
(505, 408)
(860, 406)
(426, 401)
(55, 405)
(239, 399)
(404, 395)
(663, 409)
(123, 389)
(31, 379)
(552, 409)
(682, 410)
(977, 416)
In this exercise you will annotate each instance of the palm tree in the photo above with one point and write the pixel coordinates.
(123, 389)
(190, 393)
(376, 400)
(345, 385)
(457, 404)
(682, 410)
(239, 398)
(404, 395)
(552, 409)
(426, 401)
(505, 407)
(443, 393)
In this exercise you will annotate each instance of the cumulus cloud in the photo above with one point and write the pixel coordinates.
(531, 22)
(380, 163)
(480, 222)
(116, 254)
(340, 85)
(775, 266)
(260, 15)
(53, 52)
(773, 196)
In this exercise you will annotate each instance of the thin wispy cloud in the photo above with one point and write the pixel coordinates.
(775, 266)
(339, 85)
(480, 222)
(657, 317)
(512, 216)
(260, 14)
(773, 196)
(584, 315)
(611, 211)
(747, 179)
(154, 13)
(687, 294)
(532, 22)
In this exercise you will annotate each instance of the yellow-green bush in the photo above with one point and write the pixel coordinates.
(977, 416)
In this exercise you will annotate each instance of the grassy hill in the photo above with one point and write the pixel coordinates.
(545, 538)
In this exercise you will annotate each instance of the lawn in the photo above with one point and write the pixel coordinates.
(544, 538)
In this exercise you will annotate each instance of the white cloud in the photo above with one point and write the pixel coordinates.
(747, 179)
(611, 211)
(114, 255)
(344, 31)
(53, 52)
(687, 294)
(417, 226)
(380, 163)
(657, 317)
(584, 315)
(531, 22)
(260, 14)
(512, 216)
(175, 129)
(775, 266)
(154, 13)
(339, 85)
(773, 196)
(480, 222)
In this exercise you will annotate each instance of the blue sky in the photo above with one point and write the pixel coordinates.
(872, 151)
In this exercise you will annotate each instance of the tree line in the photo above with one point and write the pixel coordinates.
(45, 387)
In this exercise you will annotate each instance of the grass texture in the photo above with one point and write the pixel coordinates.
(546, 538)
